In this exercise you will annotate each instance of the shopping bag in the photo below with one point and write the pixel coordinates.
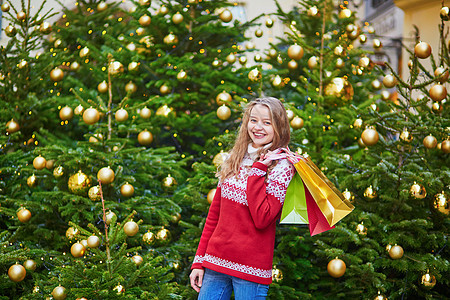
(294, 206)
(317, 221)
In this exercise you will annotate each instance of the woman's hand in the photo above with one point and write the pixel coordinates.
(196, 278)
(271, 156)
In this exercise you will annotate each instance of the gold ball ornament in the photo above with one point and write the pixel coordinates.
(380, 297)
(5, 7)
(358, 123)
(396, 252)
(93, 241)
(445, 13)
(361, 229)
(269, 22)
(95, 138)
(133, 66)
(313, 11)
(258, 33)
(336, 268)
(66, 113)
(31, 181)
(105, 175)
(59, 293)
(345, 13)
(119, 289)
(377, 44)
(219, 158)
(131, 228)
(131, 87)
(362, 38)
(295, 52)
(441, 74)
(177, 18)
(115, 68)
(102, 6)
(385, 95)
(164, 111)
(127, 190)
(71, 233)
(182, 75)
(292, 65)
(77, 250)
(278, 82)
(297, 123)
(370, 193)
(422, 50)
(428, 281)
(312, 62)
(91, 116)
(56, 74)
(437, 107)
(164, 89)
(231, 58)
(176, 218)
(438, 92)
(170, 39)
(163, 235)
(145, 137)
(145, 20)
(137, 259)
(389, 81)
(430, 142)
(223, 98)
(406, 136)
(340, 63)
(84, 52)
(210, 195)
(145, 2)
(445, 146)
(254, 75)
(370, 136)
(30, 265)
(21, 15)
(102, 87)
(148, 237)
(272, 53)
(94, 193)
(84, 243)
(226, 16)
(79, 110)
(290, 114)
(169, 183)
(277, 274)
(121, 115)
(109, 216)
(348, 195)
(364, 62)
(243, 60)
(145, 113)
(339, 50)
(10, 30)
(163, 10)
(39, 162)
(24, 215)
(17, 273)
(79, 183)
(45, 27)
(223, 112)
(441, 203)
(376, 84)
(340, 90)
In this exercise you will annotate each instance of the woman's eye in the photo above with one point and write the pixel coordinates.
(267, 123)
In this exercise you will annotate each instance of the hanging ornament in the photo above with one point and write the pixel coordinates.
(348, 195)
(137, 259)
(211, 195)
(231, 58)
(441, 203)
(223, 98)
(445, 146)
(438, 92)
(79, 183)
(109, 216)
(444, 13)
(145, 2)
(22, 64)
(297, 123)
(243, 60)
(77, 250)
(163, 10)
(93, 241)
(58, 172)
(30, 265)
(339, 50)
(396, 252)
(290, 114)
(176, 218)
(56, 74)
(223, 112)
(430, 142)
(79, 110)
(406, 136)
(130, 228)
(182, 75)
(17, 272)
(39, 162)
(376, 84)
(127, 190)
(145, 113)
(102, 6)
(437, 107)
(169, 183)
(24, 215)
(277, 274)
(358, 123)
(131, 87)
(370, 136)
(145, 137)
(84, 52)
(105, 175)
(145, 20)
(377, 44)
(364, 62)
(292, 65)
(121, 115)
(5, 7)
(45, 27)
(380, 297)
(177, 18)
(164, 111)
(12, 126)
(389, 81)
(31, 181)
(95, 138)
(163, 235)
(94, 193)
(119, 289)
(91, 116)
(336, 268)
(10, 30)
(361, 229)
(269, 22)
(226, 16)
(340, 63)
(59, 293)
(115, 68)
(133, 66)
(418, 191)
(340, 91)
(258, 33)
(66, 113)
(385, 95)
(345, 13)
(219, 158)
(257, 58)
(148, 237)
(370, 193)
(84, 243)
(164, 89)
(295, 52)
(313, 11)
(71, 233)
(428, 281)
(278, 82)
(312, 62)
(170, 39)
(422, 50)
(102, 87)
(254, 75)
(441, 74)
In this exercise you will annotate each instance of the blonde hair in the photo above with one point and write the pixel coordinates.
(281, 135)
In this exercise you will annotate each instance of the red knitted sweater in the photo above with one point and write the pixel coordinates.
(239, 234)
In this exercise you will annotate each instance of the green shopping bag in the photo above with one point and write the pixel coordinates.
(294, 208)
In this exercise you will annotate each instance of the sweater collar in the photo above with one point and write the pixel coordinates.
(253, 152)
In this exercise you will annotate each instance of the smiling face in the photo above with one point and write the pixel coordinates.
(260, 127)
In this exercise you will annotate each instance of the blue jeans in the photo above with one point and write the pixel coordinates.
(218, 286)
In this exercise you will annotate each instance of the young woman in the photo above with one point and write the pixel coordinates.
(235, 252)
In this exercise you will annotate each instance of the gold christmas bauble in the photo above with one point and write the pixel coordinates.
(389, 81)
(428, 281)
(131, 87)
(243, 60)
(56, 74)
(148, 237)
(380, 297)
(445, 146)
(24, 215)
(441, 74)
(269, 22)
(133, 66)
(39, 162)
(339, 50)
(370, 192)
(226, 16)
(102, 6)
(278, 82)
(361, 229)
(94, 193)
(437, 107)
(430, 142)
(71, 233)
(58, 172)
(369, 136)
(130, 228)
(292, 65)
(66, 113)
(137, 259)
(223, 112)
(258, 33)
(95, 138)
(182, 75)
(121, 115)
(345, 13)
(377, 44)
(254, 75)
(12, 126)
(169, 183)
(362, 38)
(119, 289)
(145, 113)
(358, 123)
(277, 275)
(10, 30)
(109, 216)
(45, 27)
(17, 272)
(145, 2)
(219, 158)
(231, 58)
(336, 268)
(50, 163)
(385, 95)
(163, 235)
(84, 243)
(31, 181)
(59, 293)
(102, 87)
(290, 114)
(79, 183)
(145, 20)
(272, 53)
(364, 62)
(438, 92)
(21, 15)
(176, 218)
(170, 39)
(312, 62)
(177, 18)
(79, 110)
(441, 203)
(164, 111)
(163, 10)
(297, 123)
(84, 52)
(115, 68)
(105, 175)
(164, 89)
(348, 195)
(77, 250)
(93, 241)
(145, 138)
(22, 64)
(422, 50)
(340, 90)
(91, 116)
(376, 84)
(295, 52)
(313, 11)
(396, 252)
(30, 264)
(211, 195)
(127, 190)
(340, 63)
(5, 7)
(223, 98)
(406, 136)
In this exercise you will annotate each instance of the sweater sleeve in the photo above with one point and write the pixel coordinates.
(265, 199)
(208, 229)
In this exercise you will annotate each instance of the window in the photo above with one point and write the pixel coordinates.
(376, 3)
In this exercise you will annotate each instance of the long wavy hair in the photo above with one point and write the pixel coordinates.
(281, 137)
